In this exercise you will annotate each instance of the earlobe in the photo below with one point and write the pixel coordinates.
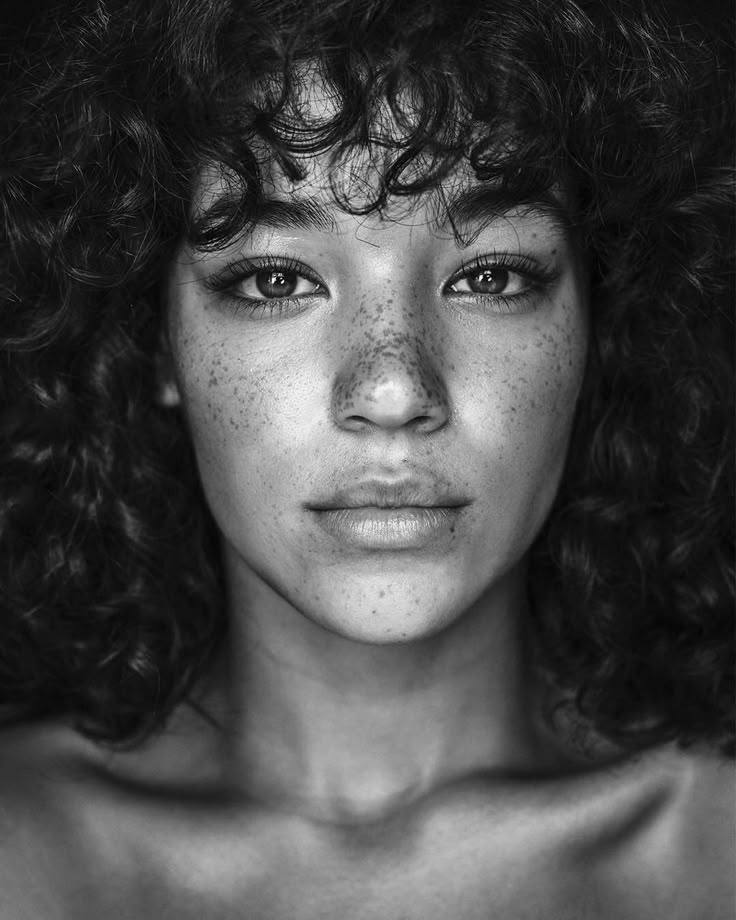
(167, 389)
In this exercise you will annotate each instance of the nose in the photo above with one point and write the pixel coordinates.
(389, 381)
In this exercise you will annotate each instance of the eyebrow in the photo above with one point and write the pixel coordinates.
(276, 213)
(473, 208)
(294, 214)
(477, 207)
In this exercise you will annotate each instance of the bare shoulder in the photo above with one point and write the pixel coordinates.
(89, 832)
(37, 762)
(640, 837)
(703, 818)
(693, 844)
(37, 766)
(669, 845)
(59, 851)
(697, 811)
(82, 833)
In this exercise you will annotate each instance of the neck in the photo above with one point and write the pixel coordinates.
(342, 730)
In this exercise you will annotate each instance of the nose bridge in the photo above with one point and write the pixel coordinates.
(390, 374)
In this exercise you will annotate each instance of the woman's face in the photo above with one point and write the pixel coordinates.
(380, 412)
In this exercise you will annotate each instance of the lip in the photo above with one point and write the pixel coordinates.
(379, 514)
(409, 527)
(380, 493)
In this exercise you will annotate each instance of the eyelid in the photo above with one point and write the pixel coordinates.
(244, 267)
(520, 264)
(535, 278)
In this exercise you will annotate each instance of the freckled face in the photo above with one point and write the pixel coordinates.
(380, 413)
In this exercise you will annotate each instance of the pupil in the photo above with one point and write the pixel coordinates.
(276, 284)
(489, 281)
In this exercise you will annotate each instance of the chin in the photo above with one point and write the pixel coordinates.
(376, 628)
(388, 614)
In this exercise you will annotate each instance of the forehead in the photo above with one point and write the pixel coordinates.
(306, 184)
(347, 170)
(461, 206)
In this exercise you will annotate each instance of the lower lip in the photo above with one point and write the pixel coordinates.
(389, 528)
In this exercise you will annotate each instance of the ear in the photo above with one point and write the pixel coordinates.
(167, 389)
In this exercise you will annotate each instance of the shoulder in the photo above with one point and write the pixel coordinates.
(696, 804)
(702, 818)
(50, 834)
(29, 826)
(85, 829)
(639, 838)
(667, 838)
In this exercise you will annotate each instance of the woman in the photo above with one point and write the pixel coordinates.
(365, 485)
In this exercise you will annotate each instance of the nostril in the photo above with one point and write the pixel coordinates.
(424, 424)
(356, 423)
(419, 423)
(391, 388)
(389, 406)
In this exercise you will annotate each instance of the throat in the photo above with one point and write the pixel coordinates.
(318, 723)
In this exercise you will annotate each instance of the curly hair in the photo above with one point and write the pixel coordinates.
(112, 597)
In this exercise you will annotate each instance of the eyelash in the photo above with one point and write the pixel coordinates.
(537, 277)
(223, 282)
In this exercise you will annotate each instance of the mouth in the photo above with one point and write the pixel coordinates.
(379, 515)
(386, 495)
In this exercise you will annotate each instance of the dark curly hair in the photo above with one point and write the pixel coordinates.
(111, 594)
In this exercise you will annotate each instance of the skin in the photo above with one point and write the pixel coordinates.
(376, 743)
(387, 367)
(384, 376)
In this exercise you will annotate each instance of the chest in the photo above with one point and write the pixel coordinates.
(467, 869)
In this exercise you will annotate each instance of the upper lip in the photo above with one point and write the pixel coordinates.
(416, 492)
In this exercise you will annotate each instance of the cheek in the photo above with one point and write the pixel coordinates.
(248, 411)
(523, 393)
(226, 393)
(553, 372)
(535, 379)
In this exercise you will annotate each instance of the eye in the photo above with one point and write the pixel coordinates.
(501, 283)
(275, 283)
(489, 279)
(266, 287)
